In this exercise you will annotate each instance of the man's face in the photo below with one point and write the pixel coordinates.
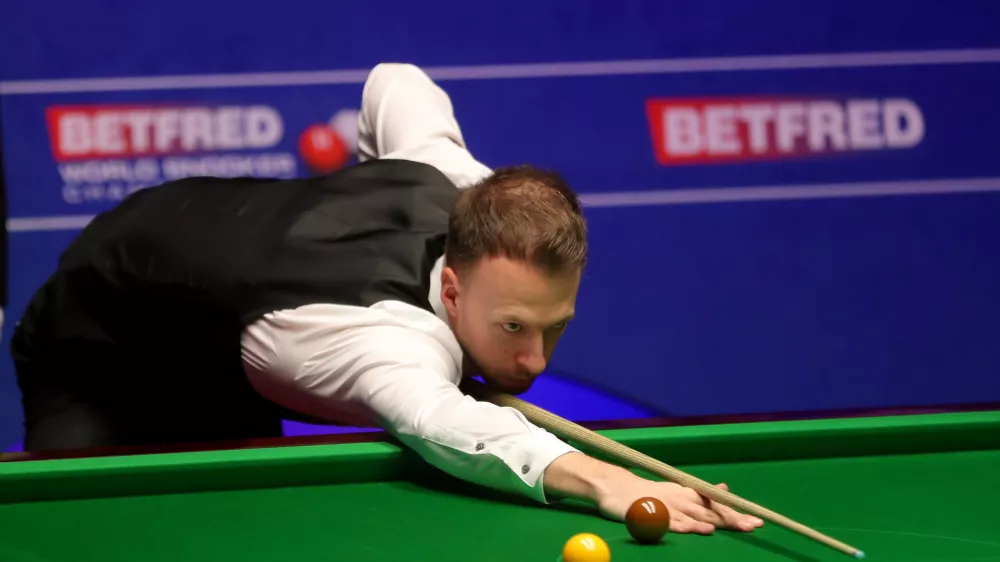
(508, 317)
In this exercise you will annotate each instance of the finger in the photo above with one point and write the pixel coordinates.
(695, 497)
(699, 508)
(705, 500)
(703, 514)
(733, 519)
(681, 523)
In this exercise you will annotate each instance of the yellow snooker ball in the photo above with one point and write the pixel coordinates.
(586, 547)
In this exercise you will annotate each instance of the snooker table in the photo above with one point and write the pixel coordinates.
(903, 487)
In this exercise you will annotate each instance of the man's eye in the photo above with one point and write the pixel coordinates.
(560, 326)
(511, 327)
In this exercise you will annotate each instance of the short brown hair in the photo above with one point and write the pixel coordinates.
(521, 213)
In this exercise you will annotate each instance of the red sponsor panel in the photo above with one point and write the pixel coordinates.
(738, 129)
(132, 131)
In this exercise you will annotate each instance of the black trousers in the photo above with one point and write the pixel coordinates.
(62, 414)
(97, 368)
(86, 396)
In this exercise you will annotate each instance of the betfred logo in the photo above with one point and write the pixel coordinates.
(701, 131)
(92, 132)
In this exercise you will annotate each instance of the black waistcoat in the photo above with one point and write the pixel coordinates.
(172, 275)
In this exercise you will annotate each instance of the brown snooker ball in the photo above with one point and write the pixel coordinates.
(647, 520)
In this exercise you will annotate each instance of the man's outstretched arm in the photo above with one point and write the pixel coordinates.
(328, 369)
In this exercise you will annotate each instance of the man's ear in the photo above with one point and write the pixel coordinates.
(450, 289)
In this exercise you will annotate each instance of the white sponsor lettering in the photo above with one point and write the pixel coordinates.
(682, 126)
(98, 181)
(139, 123)
(108, 133)
(902, 122)
(274, 165)
(76, 194)
(757, 116)
(862, 124)
(98, 171)
(826, 127)
(74, 134)
(790, 125)
(125, 132)
(720, 130)
(752, 127)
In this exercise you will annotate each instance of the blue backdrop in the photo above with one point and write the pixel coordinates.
(792, 205)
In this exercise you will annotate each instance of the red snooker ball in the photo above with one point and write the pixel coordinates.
(647, 520)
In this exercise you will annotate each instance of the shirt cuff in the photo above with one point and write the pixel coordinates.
(529, 458)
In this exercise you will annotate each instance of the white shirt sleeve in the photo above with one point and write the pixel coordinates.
(392, 364)
(396, 366)
(405, 115)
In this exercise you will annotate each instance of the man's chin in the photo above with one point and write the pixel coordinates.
(510, 386)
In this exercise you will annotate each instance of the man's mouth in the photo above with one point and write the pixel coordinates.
(512, 385)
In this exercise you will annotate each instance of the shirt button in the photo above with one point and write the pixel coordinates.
(480, 446)
(525, 469)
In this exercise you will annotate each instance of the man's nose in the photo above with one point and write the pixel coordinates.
(532, 360)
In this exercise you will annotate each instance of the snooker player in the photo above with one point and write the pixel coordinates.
(208, 309)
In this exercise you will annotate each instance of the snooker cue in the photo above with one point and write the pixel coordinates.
(626, 455)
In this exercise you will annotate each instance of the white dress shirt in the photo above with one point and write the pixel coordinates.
(394, 365)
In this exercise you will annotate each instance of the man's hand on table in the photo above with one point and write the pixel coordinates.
(613, 489)
(690, 512)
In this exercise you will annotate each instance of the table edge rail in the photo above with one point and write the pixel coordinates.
(188, 472)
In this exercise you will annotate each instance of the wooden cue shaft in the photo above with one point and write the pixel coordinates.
(569, 430)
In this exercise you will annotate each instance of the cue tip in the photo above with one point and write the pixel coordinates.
(859, 555)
